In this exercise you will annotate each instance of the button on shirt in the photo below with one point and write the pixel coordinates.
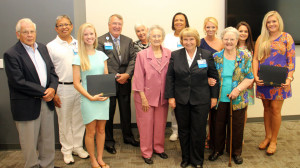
(189, 59)
(62, 54)
(39, 63)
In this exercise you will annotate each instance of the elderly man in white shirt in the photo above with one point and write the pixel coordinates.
(67, 100)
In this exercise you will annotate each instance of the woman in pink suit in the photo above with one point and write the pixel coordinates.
(149, 86)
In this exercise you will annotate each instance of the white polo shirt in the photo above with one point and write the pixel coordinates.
(62, 54)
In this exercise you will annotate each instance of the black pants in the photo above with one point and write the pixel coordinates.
(125, 118)
(222, 121)
(191, 120)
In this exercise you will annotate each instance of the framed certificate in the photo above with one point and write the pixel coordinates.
(105, 83)
(273, 75)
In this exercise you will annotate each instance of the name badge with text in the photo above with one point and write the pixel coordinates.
(202, 63)
(108, 46)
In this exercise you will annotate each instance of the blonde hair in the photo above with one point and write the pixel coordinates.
(84, 59)
(190, 32)
(264, 48)
(212, 20)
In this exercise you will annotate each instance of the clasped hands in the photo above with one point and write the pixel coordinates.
(122, 78)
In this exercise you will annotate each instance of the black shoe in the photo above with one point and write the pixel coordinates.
(214, 156)
(110, 149)
(148, 160)
(162, 155)
(184, 164)
(237, 159)
(133, 142)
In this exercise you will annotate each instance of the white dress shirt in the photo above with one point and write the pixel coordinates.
(189, 59)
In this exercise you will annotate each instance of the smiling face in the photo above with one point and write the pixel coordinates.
(272, 24)
(27, 34)
(64, 28)
(89, 36)
(189, 43)
(115, 26)
(179, 22)
(210, 29)
(243, 33)
(156, 38)
(230, 41)
(141, 33)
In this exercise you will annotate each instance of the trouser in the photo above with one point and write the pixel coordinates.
(174, 125)
(71, 127)
(125, 118)
(38, 135)
(152, 126)
(222, 121)
(192, 120)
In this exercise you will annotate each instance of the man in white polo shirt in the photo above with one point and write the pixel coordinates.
(67, 100)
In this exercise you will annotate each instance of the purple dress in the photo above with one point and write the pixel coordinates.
(205, 46)
(282, 55)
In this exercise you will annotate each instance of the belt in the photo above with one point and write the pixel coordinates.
(66, 83)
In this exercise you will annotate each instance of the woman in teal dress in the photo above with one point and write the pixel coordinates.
(94, 108)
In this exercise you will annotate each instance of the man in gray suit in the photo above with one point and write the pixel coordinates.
(121, 53)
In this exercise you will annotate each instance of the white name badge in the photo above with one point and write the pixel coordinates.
(108, 46)
(202, 63)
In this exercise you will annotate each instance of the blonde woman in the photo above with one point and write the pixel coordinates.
(276, 48)
(94, 108)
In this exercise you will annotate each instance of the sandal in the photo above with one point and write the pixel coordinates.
(271, 149)
(104, 166)
(206, 143)
(264, 144)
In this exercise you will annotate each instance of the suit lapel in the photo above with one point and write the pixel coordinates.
(122, 49)
(184, 59)
(42, 53)
(24, 55)
(197, 57)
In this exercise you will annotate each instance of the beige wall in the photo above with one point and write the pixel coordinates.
(161, 12)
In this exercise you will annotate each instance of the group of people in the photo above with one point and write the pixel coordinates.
(197, 78)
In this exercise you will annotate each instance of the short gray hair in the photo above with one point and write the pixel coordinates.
(139, 25)
(156, 27)
(230, 29)
(24, 20)
(116, 15)
(62, 16)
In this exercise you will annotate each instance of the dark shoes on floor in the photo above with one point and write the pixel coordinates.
(237, 159)
(214, 156)
(162, 155)
(184, 164)
(148, 160)
(132, 142)
(110, 149)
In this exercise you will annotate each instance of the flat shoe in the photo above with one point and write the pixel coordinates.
(264, 144)
(162, 155)
(148, 160)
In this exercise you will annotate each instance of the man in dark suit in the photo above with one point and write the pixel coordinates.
(32, 84)
(121, 53)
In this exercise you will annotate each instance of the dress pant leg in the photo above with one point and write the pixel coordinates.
(221, 119)
(182, 113)
(160, 120)
(28, 137)
(238, 120)
(198, 118)
(46, 139)
(125, 115)
(174, 125)
(212, 128)
(145, 126)
(109, 132)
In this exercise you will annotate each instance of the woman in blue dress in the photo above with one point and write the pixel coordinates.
(94, 108)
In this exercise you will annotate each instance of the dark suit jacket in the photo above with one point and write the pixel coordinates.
(190, 84)
(25, 88)
(113, 63)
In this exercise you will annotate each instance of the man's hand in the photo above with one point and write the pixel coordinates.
(49, 94)
(57, 101)
(122, 78)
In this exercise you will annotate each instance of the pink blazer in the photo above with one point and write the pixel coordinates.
(150, 77)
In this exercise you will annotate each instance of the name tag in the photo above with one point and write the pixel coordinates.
(108, 46)
(202, 63)
(179, 45)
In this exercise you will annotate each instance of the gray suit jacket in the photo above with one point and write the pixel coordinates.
(114, 65)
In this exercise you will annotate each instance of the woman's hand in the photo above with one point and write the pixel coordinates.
(213, 102)
(234, 94)
(172, 103)
(287, 83)
(98, 97)
(212, 81)
(258, 82)
(145, 105)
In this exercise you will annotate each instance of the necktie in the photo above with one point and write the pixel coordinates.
(116, 41)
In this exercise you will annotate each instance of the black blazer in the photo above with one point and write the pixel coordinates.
(190, 84)
(25, 88)
(114, 65)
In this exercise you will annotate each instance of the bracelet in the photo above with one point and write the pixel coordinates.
(290, 78)
(239, 89)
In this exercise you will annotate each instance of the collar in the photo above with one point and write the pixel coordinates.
(60, 41)
(27, 47)
(113, 38)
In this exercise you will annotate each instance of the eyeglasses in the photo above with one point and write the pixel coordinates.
(28, 32)
(62, 25)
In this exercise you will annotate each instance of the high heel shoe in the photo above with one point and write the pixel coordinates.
(271, 149)
(264, 144)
